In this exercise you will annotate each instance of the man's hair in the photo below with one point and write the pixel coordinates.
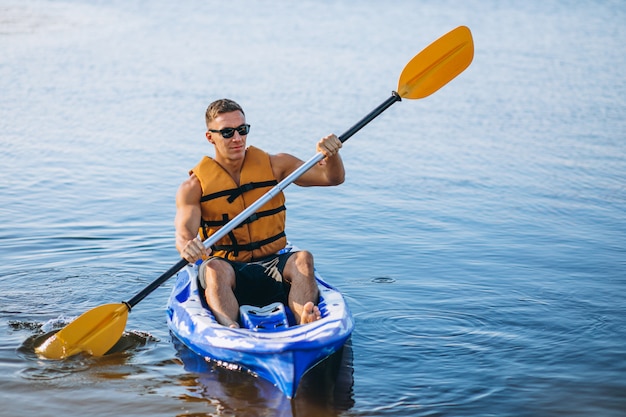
(220, 106)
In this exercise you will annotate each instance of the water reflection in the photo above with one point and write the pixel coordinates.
(326, 390)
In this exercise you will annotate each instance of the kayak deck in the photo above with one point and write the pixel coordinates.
(281, 354)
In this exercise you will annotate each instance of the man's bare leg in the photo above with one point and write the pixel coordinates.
(220, 283)
(304, 293)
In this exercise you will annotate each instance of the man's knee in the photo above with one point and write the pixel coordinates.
(304, 259)
(215, 271)
(299, 267)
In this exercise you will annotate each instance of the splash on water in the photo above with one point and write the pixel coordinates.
(44, 334)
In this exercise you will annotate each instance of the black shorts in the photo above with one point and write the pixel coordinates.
(261, 282)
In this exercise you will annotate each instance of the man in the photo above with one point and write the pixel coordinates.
(246, 266)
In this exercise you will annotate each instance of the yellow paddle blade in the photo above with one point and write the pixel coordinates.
(93, 332)
(437, 64)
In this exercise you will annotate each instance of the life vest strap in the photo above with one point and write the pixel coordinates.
(253, 217)
(233, 193)
(249, 247)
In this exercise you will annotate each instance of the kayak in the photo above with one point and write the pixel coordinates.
(269, 344)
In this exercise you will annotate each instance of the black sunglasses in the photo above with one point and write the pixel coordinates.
(229, 132)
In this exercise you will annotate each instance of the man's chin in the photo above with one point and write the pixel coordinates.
(238, 152)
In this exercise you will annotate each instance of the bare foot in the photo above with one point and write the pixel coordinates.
(310, 313)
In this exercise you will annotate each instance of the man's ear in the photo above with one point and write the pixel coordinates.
(209, 137)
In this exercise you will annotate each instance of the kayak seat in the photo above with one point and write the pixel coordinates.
(270, 318)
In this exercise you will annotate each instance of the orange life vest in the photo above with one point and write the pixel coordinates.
(263, 233)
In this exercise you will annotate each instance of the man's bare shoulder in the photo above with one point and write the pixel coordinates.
(284, 164)
(189, 190)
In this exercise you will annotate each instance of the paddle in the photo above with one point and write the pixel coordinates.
(97, 330)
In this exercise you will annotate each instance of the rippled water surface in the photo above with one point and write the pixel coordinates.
(479, 237)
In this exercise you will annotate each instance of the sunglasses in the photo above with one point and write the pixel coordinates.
(229, 132)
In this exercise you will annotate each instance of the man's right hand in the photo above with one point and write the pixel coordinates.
(194, 250)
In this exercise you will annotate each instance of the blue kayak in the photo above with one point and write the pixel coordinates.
(268, 344)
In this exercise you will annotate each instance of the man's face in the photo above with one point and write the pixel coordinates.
(232, 148)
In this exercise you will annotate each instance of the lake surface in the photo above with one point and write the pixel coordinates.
(480, 237)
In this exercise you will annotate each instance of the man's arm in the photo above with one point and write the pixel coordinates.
(329, 171)
(187, 220)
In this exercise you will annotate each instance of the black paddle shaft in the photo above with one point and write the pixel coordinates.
(373, 114)
(156, 284)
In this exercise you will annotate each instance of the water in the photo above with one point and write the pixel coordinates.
(479, 237)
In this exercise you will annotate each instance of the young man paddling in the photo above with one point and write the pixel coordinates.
(247, 266)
